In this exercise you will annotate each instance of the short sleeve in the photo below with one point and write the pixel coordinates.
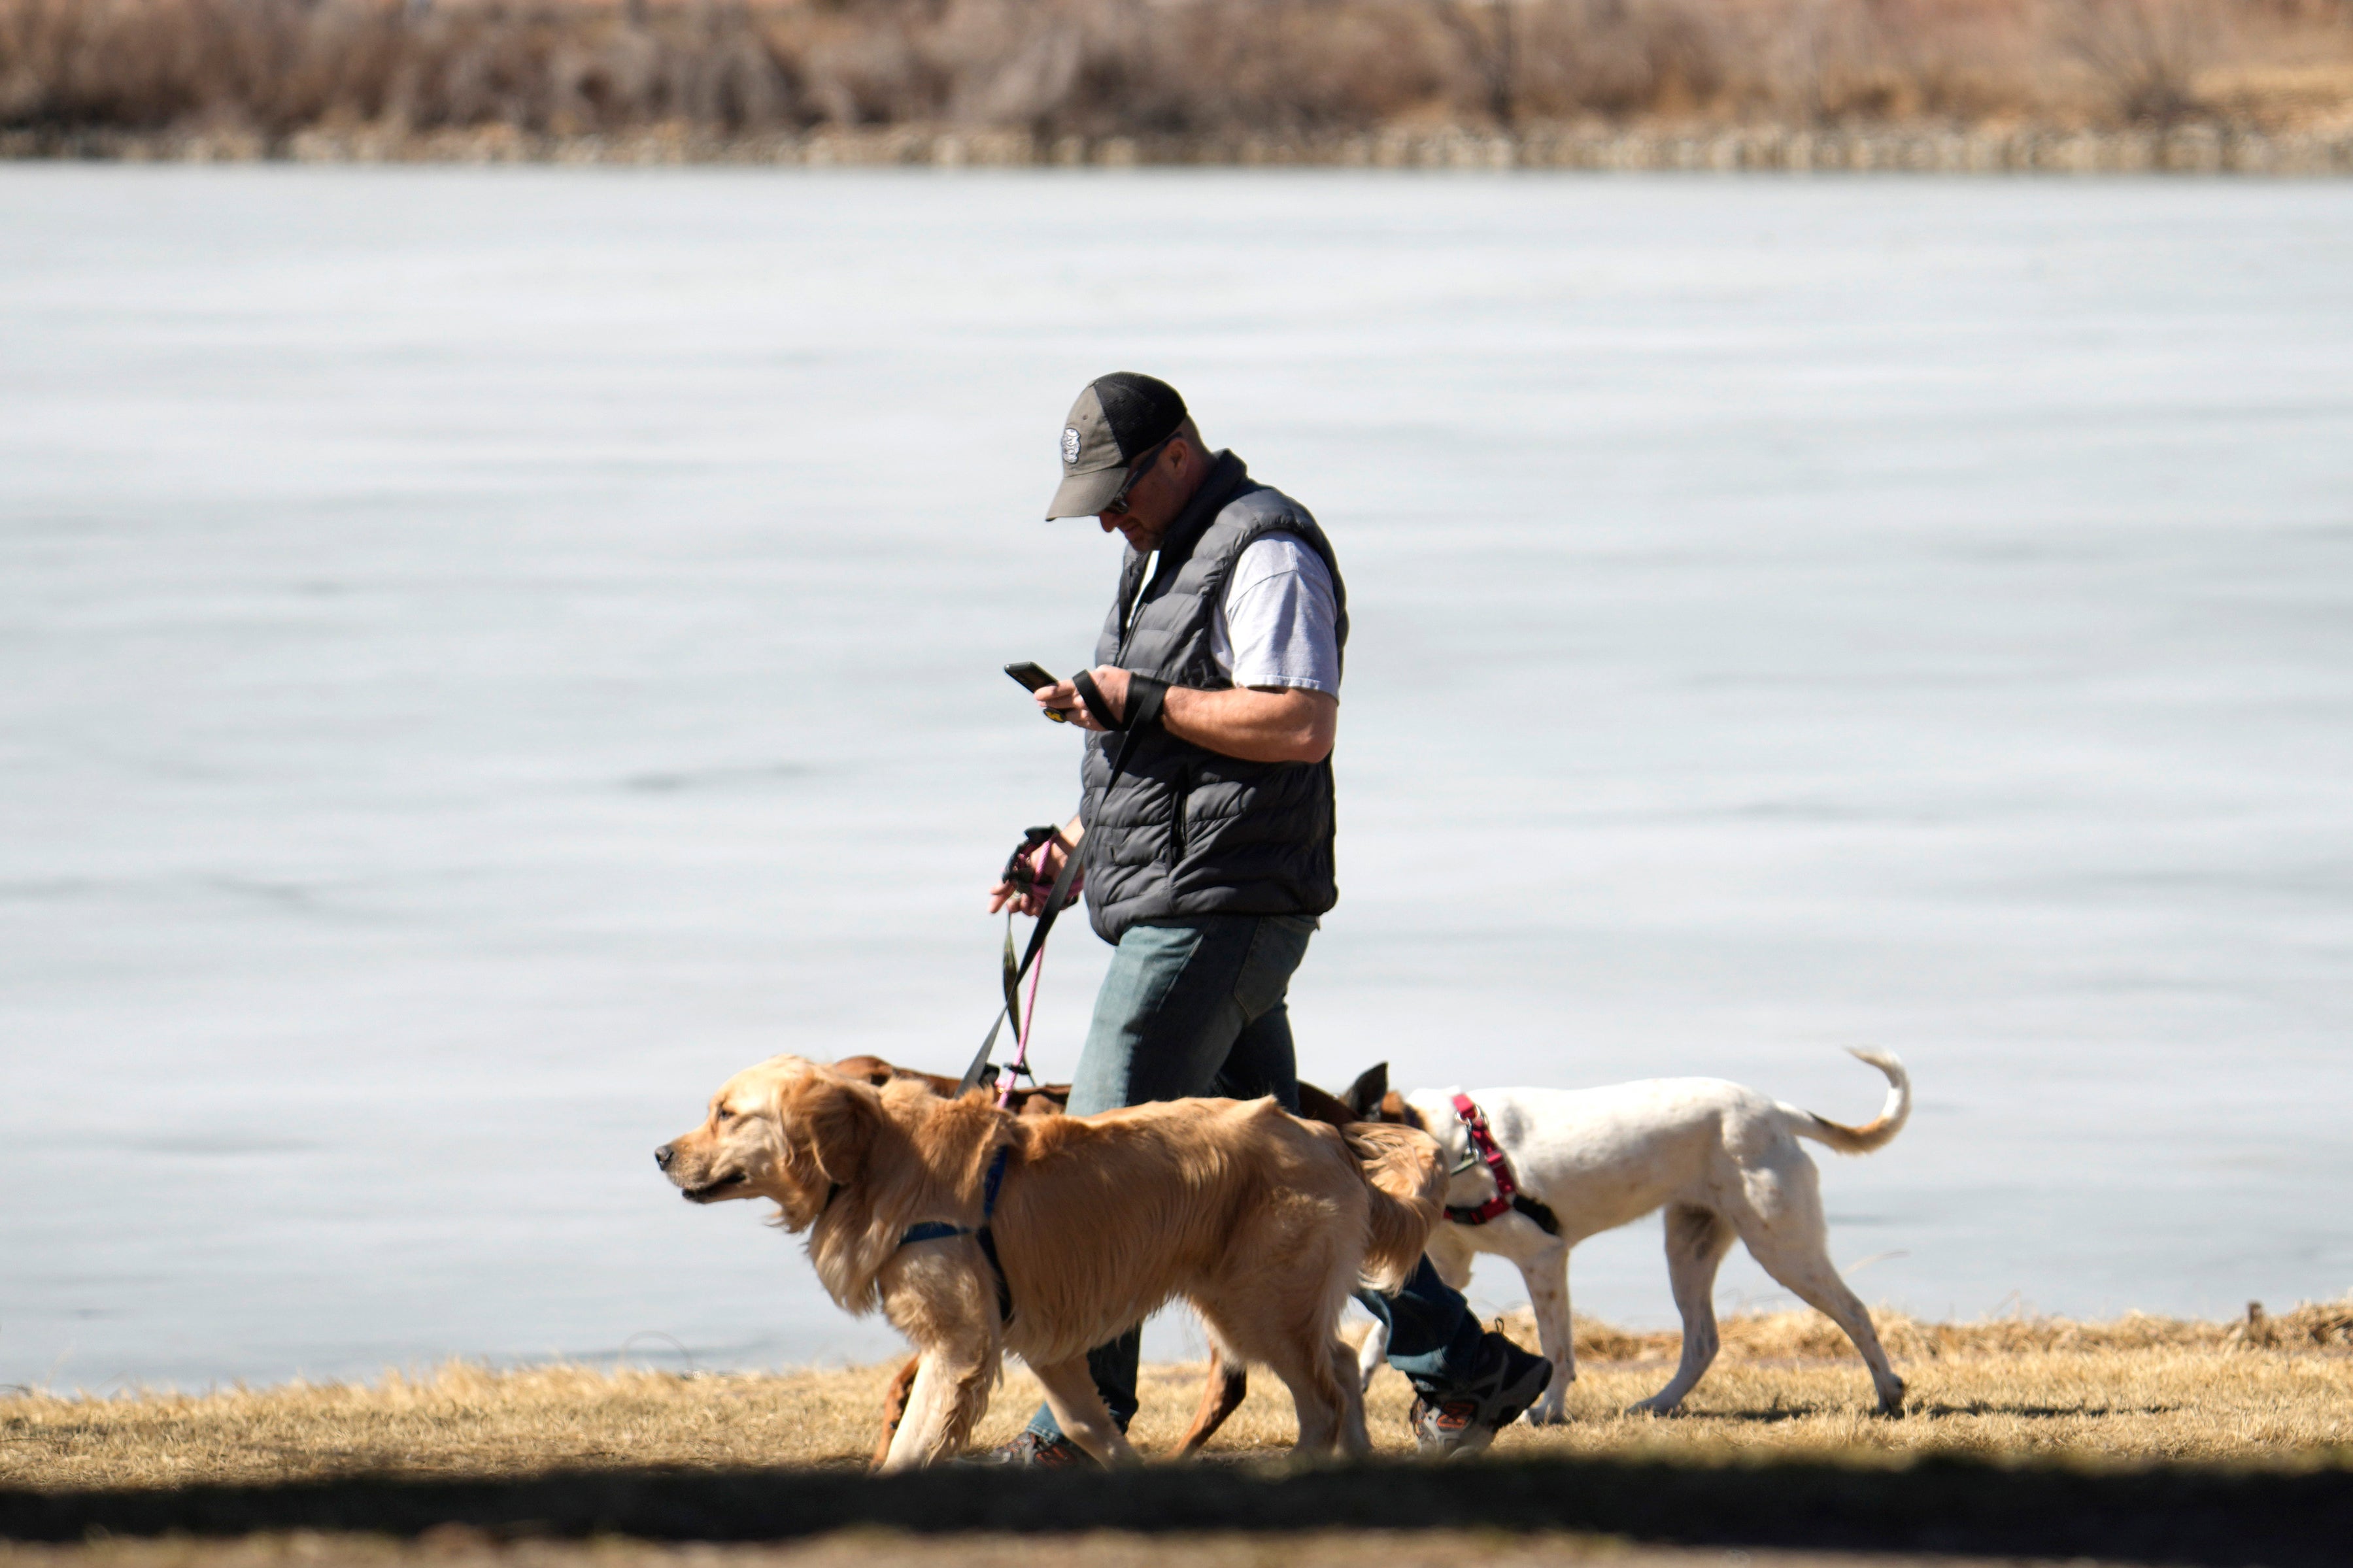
(1281, 615)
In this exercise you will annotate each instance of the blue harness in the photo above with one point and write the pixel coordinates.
(941, 1230)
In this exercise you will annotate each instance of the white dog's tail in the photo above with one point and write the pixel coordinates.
(1871, 1135)
(1406, 1178)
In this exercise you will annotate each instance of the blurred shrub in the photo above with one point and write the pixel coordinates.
(2143, 57)
(1128, 67)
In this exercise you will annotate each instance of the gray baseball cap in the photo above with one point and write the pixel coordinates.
(1116, 420)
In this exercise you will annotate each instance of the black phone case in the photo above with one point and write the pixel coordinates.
(1029, 675)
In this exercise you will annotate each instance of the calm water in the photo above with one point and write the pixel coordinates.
(485, 654)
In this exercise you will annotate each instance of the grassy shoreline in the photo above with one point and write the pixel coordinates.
(2142, 1439)
(2138, 1439)
(1962, 84)
(861, 1547)
(2267, 1392)
(2204, 148)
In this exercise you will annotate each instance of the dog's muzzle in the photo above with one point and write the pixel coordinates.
(697, 1192)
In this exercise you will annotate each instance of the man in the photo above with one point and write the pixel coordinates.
(1205, 834)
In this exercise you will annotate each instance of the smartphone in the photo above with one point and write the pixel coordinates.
(1029, 675)
(1035, 680)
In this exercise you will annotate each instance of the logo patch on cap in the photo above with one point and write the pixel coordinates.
(1070, 443)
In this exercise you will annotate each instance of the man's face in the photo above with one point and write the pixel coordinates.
(1154, 500)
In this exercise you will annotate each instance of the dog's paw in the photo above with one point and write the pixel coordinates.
(1655, 1407)
(1546, 1415)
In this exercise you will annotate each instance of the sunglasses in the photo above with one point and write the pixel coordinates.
(1117, 505)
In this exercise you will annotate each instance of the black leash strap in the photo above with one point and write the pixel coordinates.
(980, 1071)
(1097, 704)
(1145, 697)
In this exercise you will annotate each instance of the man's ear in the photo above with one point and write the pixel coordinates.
(1363, 1096)
(837, 1118)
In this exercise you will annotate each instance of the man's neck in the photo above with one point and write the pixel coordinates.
(1221, 466)
(1196, 473)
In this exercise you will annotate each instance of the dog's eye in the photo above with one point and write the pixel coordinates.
(725, 1114)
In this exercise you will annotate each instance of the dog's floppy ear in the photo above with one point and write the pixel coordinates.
(1363, 1096)
(835, 1118)
(870, 1069)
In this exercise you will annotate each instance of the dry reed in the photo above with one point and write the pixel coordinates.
(458, 1548)
(2267, 1391)
(1164, 72)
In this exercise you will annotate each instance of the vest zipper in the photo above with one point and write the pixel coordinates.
(1182, 804)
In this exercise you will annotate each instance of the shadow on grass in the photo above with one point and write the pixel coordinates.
(2042, 1412)
(2156, 1514)
(1774, 1416)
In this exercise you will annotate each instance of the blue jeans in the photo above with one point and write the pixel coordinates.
(1197, 1006)
(1433, 1337)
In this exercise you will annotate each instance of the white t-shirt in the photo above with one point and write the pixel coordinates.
(1277, 625)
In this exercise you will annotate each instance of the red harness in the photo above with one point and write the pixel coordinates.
(1508, 1197)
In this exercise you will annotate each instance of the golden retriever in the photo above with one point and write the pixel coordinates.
(1264, 1223)
(1227, 1385)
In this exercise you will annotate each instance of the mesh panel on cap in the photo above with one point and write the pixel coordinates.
(1140, 409)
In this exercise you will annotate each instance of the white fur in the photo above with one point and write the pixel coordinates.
(1722, 1160)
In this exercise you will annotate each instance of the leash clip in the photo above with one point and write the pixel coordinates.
(1020, 867)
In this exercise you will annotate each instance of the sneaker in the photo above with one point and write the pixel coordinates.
(1462, 1418)
(1034, 1451)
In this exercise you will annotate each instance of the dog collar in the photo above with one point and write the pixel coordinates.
(1508, 1198)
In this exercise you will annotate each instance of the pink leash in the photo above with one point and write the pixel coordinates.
(1491, 1154)
(1019, 1067)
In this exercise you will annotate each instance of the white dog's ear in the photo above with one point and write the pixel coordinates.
(837, 1119)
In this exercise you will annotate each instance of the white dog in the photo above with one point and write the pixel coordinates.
(1722, 1161)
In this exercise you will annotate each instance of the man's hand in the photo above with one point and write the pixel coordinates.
(1063, 697)
(1045, 864)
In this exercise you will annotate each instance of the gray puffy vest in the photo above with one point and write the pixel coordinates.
(1186, 831)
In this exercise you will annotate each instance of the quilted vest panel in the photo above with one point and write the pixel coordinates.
(1185, 831)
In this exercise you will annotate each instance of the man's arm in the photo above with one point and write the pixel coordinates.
(1256, 724)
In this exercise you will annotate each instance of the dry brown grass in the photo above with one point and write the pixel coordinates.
(2279, 1390)
(873, 1549)
(1164, 69)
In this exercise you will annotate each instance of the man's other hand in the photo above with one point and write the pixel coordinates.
(1030, 898)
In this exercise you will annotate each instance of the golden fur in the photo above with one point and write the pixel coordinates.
(1226, 1387)
(1262, 1221)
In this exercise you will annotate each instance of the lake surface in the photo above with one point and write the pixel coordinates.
(485, 654)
